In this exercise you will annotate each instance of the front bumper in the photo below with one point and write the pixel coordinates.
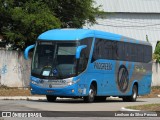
(59, 92)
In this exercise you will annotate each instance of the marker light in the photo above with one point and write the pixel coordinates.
(33, 82)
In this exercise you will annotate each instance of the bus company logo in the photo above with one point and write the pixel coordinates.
(123, 78)
(55, 72)
(50, 86)
(102, 66)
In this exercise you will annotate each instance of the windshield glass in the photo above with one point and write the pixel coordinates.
(54, 59)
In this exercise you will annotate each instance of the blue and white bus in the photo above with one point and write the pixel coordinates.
(90, 64)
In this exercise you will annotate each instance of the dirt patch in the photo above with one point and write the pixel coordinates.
(14, 92)
(155, 91)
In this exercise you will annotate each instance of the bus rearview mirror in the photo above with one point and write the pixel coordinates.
(78, 50)
(27, 51)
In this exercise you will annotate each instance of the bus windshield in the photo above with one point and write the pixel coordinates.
(54, 59)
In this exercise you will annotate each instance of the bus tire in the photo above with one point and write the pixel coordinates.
(51, 98)
(134, 95)
(91, 96)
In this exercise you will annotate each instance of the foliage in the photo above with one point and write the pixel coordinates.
(75, 13)
(157, 53)
(22, 21)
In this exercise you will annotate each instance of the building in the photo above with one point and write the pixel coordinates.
(139, 19)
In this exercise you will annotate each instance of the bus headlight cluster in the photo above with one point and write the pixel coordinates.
(73, 82)
(70, 83)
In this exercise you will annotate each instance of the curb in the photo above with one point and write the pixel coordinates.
(22, 98)
(125, 109)
(41, 98)
(34, 98)
(27, 98)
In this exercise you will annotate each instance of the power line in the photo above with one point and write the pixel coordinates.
(132, 21)
(130, 24)
(130, 27)
(145, 25)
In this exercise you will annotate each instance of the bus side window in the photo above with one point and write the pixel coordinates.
(83, 61)
(140, 53)
(96, 51)
(147, 53)
(127, 51)
(115, 50)
(109, 50)
(120, 49)
(134, 53)
(85, 54)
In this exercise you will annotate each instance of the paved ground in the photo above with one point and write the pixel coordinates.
(40, 103)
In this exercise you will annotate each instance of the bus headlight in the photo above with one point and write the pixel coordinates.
(70, 83)
(73, 82)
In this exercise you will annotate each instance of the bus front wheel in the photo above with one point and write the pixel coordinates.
(134, 95)
(51, 98)
(91, 96)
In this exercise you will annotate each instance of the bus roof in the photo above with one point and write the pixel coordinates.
(75, 34)
(78, 34)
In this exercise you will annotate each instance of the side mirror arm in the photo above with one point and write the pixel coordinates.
(27, 51)
(79, 49)
(78, 53)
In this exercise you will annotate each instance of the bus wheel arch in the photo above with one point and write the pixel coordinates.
(92, 92)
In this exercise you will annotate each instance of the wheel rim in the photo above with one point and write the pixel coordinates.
(91, 94)
(134, 94)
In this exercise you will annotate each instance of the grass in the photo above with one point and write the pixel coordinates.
(10, 91)
(13, 91)
(147, 107)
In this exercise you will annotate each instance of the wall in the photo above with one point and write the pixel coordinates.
(14, 70)
(156, 74)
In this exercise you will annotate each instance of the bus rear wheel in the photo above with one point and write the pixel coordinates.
(51, 98)
(134, 95)
(91, 96)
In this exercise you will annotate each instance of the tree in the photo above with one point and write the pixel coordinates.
(22, 21)
(74, 13)
(157, 53)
